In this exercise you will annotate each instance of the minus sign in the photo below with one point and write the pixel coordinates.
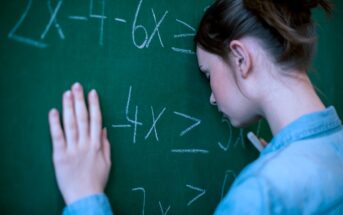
(121, 126)
(120, 20)
(190, 151)
(78, 18)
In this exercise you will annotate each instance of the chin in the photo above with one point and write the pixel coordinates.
(237, 124)
(244, 123)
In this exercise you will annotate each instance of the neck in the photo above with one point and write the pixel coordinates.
(288, 101)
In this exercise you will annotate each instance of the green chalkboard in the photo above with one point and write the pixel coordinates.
(139, 55)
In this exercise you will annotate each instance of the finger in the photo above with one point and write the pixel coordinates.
(263, 142)
(106, 146)
(80, 111)
(56, 132)
(95, 117)
(70, 127)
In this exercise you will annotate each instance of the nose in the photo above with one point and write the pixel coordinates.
(213, 100)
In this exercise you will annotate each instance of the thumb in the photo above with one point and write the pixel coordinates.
(106, 146)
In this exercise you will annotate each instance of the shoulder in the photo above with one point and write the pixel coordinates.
(310, 165)
(302, 160)
(307, 172)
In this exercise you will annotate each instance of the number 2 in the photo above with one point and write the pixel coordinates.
(12, 34)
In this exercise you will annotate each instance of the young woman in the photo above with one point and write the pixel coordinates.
(256, 54)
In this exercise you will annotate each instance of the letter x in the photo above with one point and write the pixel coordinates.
(53, 19)
(156, 30)
(154, 121)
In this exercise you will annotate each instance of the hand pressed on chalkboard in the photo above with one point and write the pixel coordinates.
(81, 151)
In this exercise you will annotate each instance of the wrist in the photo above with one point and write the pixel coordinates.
(74, 197)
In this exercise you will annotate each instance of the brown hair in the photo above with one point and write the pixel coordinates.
(284, 27)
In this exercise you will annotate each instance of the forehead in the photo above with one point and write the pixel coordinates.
(204, 57)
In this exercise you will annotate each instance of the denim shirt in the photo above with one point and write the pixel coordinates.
(97, 204)
(299, 172)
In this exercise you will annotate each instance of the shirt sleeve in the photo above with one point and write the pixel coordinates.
(92, 205)
(246, 197)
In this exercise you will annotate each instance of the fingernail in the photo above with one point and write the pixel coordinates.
(93, 93)
(67, 94)
(77, 86)
(53, 112)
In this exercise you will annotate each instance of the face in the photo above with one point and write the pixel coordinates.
(226, 94)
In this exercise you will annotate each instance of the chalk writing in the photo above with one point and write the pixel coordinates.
(134, 122)
(196, 122)
(164, 212)
(240, 139)
(225, 148)
(102, 18)
(83, 18)
(120, 20)
(53, 19)
(143, 191)
(156, 30)
(12, 34)
(201, 193)
(229, 174)
(192, 151)
(154, 121)
(135, 27)
(181, 50)
(132, 119)
(184, 51)
(56, 24)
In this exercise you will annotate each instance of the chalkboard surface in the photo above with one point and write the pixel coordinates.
(172, 152)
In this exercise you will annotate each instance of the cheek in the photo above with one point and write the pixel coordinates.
(223, 89)
(218, 89)
(231, 101)
(228, 96)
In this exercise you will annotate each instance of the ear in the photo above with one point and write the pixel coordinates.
(241, 58)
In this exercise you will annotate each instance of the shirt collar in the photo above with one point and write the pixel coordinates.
(306, 126)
